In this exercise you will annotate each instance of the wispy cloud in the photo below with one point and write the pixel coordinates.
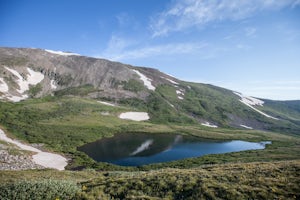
(125, 20)
(120, 49)
(250, 31)
(184, 14)
(118, 44)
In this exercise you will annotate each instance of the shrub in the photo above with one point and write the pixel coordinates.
(34, 90)
(44, 189)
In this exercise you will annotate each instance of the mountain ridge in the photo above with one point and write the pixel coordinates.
(166, 98)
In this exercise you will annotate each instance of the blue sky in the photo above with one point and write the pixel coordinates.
(252, 46)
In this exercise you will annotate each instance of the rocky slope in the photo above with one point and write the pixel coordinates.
(32, 73)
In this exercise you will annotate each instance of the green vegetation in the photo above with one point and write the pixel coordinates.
(64, 79)
(39, 190)
(68, 120)
(161, 112)
(64, 123)
(238, 181)
(264, 180)
(133, 85)
(76, 91)
(289, 109)
(34, 90)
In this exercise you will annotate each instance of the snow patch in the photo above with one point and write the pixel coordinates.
(260, 111)
(249, 101)
(171, 104)
(147, 81)
(16, 98)
(135, 116)
(180, 92)
(106, 103)
(20, 80)
(62, 53)
(171, 81)
(209, 125)
(171, 75)
(53, 85)
(45, 159)
(50, 160)
(3, 86)
(144, 146)
(247, 127)
(32, 78)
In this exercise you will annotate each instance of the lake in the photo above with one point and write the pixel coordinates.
(135, 149)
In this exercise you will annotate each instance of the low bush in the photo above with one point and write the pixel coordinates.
(44, 189)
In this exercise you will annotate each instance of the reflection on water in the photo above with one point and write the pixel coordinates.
(141, 149)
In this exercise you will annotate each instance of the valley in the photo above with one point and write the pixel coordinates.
(76, 100)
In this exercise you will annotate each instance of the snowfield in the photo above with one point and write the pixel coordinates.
(135, 116)
(247, 127)
(209, 125)
(251, 101)
(50, 160)
(147, 81)
(171, 81)
(61, 53)
(3, 86)
(45, 159)
(32, 78)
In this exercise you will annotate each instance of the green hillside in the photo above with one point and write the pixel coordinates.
(79, 100)
(64, 123)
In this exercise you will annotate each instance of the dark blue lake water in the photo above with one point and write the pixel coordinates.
(142, 149)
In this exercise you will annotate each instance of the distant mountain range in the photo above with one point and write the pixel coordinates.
(34, 73)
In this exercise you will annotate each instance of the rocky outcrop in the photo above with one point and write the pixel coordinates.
(64, 70)
(13, 161)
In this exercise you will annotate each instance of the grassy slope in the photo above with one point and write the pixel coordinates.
(219, 106)
(65, 123)
(271, 180)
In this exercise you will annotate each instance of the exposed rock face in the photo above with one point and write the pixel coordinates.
(65, 70)
(26, 73)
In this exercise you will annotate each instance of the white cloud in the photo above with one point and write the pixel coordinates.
(184, 14)
(118, 44)
(126, 52)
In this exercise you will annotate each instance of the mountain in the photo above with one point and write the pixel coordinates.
(55, 105)
(36, 73)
